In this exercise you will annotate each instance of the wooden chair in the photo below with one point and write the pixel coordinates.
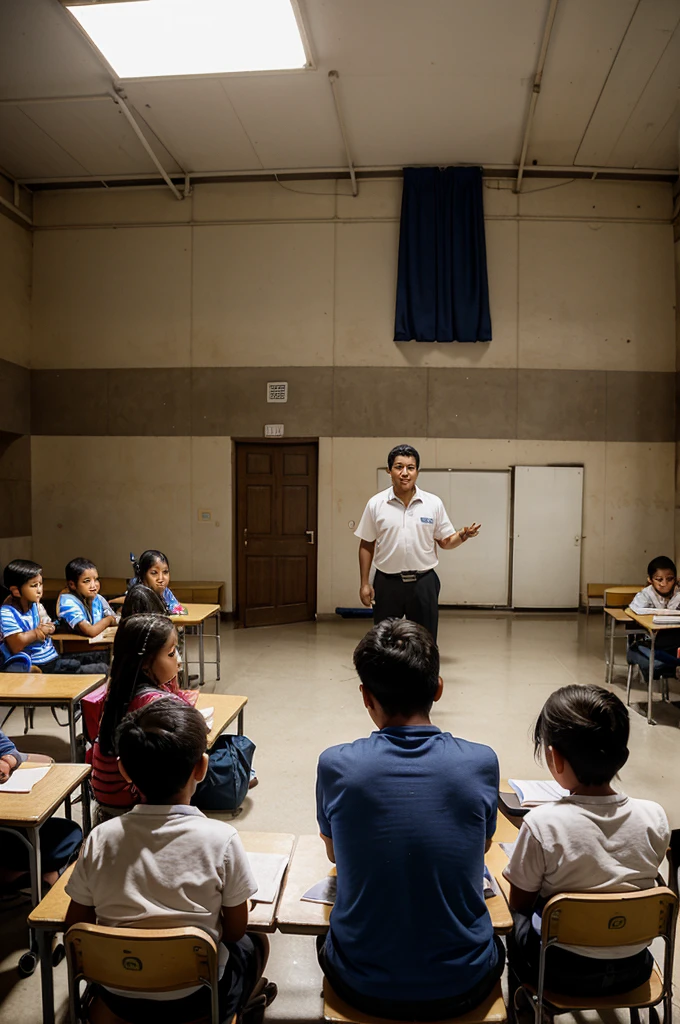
(137, 960)
(608, 919)
(491, 1011)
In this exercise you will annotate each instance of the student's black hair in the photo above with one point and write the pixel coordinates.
(145, 562)
(589, 727)
(398, 662)
(76, 567)
(20, 571)
(661, 562)
(141, 600)
(403, 449)
(138, 640)
(159, 746)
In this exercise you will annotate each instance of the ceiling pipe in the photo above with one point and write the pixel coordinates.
(145, 143)
(25, 101)
(333, 77)
(388, 170)
(535, 91)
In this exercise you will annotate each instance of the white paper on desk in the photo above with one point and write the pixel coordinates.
(672, 619)
(490, 885)
(268, 869)
(324, 891)
(24, 781)
(207, 712)
(532, 792)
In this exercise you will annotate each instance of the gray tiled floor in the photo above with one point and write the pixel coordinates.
(303, 696)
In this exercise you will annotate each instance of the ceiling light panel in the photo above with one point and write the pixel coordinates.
(161, 38)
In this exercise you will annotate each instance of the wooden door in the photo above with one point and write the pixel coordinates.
(276, 526)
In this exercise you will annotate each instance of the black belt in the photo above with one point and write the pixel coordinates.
(407, 576)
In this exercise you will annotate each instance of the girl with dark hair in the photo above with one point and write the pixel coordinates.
(593, 840)
(140, 600)
(145, 668)
(153, 571)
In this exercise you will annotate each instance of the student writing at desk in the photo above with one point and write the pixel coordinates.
(594, 840)
(662, 593)
(407, 814)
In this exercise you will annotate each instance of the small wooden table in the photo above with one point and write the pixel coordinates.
(651, 629)
(227, 707)
(310, 864)
(613, 617)
(623, 594)
(196, 618)
(57, 691)
(69, 642)
(49, 915)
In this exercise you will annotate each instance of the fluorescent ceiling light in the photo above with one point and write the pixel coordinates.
(153, 38)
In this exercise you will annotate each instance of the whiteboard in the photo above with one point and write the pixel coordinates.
(477, 572)
(546, 568)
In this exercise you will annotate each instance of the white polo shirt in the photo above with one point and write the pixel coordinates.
(163, 867)
(405, 537)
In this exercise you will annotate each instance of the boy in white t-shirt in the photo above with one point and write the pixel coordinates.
(164, 864)
(595, 840)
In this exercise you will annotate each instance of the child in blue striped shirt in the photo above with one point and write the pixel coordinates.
(81, 606)
(26, 627)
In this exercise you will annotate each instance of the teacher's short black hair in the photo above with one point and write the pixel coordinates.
(398, 662)
(403, 449)
(589, 727)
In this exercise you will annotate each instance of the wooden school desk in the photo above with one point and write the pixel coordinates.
(31, 689)
(227, 707)
(310, 864)
(651, 629)
(69, 643)
(49, 915)
(198, 615)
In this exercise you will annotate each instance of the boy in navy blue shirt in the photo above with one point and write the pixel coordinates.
(408, 814)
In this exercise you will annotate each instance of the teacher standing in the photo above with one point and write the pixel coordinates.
(399, 531)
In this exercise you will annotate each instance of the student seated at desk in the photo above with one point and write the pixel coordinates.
(145, 667)
(663, 592)
(60, 838)
(26, 626)
(153, 570)
(595, 840)
(81, 607)
(408, 814)
(165, 864)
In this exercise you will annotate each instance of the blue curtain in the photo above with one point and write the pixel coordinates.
(442, 284)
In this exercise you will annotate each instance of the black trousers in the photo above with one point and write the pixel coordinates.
(422, 1009)
(568, 972)
(417, 601)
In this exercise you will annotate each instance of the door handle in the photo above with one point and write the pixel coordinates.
(310, 534)
(245, 537)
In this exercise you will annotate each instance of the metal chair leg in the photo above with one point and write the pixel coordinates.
(628, 683)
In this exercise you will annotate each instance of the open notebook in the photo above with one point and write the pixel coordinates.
(532, 793)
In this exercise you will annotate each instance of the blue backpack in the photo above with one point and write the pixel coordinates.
(226, 783)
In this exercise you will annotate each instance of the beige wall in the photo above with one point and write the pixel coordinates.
(104, 497)
(257, 276)
(15, 419)
(15, 292)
